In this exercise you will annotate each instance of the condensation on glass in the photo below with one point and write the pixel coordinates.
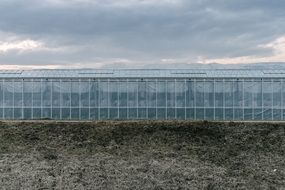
(142, 98)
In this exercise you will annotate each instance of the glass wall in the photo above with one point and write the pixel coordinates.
(182, 99)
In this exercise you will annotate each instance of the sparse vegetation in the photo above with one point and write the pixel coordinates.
(142, 155)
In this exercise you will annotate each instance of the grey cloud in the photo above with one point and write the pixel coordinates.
(142, 32)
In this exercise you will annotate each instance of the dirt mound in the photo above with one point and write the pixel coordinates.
(142, 155)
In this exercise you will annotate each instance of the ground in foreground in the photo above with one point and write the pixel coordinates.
(142, 155)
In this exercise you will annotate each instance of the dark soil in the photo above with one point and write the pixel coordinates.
(142, 155)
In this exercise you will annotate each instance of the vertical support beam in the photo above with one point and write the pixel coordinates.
(128, 99)
(243, 99)
(214, 97)
(224, 102)
(51, 100)
(89, 104)
(146, 96)
(185, 99)
(137, 94)
(156, 117)
(253, 102)
(204, 106)
(195, 109)
(272, 101)
(108, 98)
(234, 82)
(99, 99)
(32, 108)
(41, 92)
(118, 96)
(175, 103)
(262, 112)
(80, 102)
(70, 94)
(3, 98)
(23, 115)
(281, 109)
(166, 97)
(60, 103)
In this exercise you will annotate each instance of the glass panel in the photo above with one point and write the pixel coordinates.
(18, 94)
(257, 94)
(65, 94)
(142, 94)
(74, 113)
(200, 114)
(276, 87)
(84, 113)
(248, 94)
(199, 95)
(219, 94)
(74, 95)
(219, 115)
(132, 94)
(238, 114)
(84, 93)
(94, 113)
(277, 114)
(56, 93)
(94, 93)
(46, 113)
(171, 113)
(56, 113)
(180, 113)
(180, 88)
(27, 113)
(209, 114)
(267, 94)
(114, 113)
(8, 113)
(248, 114)
(161, 94)
(28, 93)
(104, 113)
(190, 113)
(258, 114)
(228, 92)
(142, 113)
(123, 94)
(37, 95)
(161, 113)
(18, 114)
(36, 113)
(151, 113)
(238, 94)
(123, 113)
(229, 115)
(209, 94)
(65, 113)
(46, 93)
(8, 95)
(114, 95)
(151, 94)
(190, 94)
(133, 113)
(170, 94)
(267, 114)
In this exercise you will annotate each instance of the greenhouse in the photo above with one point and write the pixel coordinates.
(219, 94)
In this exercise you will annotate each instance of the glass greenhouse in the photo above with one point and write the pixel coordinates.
(219, 94)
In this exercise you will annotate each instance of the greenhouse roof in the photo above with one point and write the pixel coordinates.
(144, 73)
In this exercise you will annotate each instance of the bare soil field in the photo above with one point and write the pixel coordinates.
(142, 155)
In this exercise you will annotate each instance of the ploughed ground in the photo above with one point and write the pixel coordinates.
(142, 155)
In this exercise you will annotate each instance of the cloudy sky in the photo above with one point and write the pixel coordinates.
(137, 33)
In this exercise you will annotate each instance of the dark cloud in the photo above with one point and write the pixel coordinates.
(142, 31)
